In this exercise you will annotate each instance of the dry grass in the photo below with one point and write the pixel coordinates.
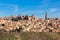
(29, 36)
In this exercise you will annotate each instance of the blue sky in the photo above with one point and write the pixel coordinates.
(29, 7)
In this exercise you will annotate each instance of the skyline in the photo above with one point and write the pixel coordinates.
(29, 7)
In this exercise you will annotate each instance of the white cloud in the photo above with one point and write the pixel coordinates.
(12, 6)
(32, 11)
(15, 9)
(5, 4)
(53, 10)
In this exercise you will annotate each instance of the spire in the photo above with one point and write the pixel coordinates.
(32, 14)
(46, 16)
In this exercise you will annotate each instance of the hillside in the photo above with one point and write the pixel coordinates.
(29, 36)
(29, 24)
(29, 28)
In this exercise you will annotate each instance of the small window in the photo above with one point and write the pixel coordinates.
(50, 24)
(2, 24)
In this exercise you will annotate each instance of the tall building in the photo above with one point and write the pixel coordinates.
(46, 16)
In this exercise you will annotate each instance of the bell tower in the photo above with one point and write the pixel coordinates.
(46, 16)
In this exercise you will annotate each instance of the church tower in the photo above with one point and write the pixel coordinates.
(46, 16)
